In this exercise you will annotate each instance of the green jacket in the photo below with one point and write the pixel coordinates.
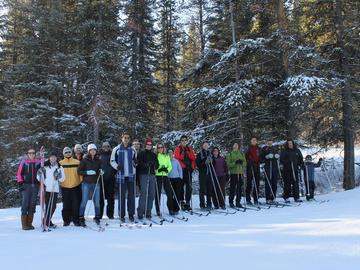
(231, 159)
(164, 162)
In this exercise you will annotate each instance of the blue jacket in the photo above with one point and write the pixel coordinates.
(176, 171)
(309, 170)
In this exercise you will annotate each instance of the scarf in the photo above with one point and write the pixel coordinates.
(120, 176)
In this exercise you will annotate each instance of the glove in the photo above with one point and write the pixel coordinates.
(101, 172)
(208, 161)
(277, 156)
(57, 174)
(165, 170)
(21, 186)
(269, 156)
(90, 172)
(239, 162)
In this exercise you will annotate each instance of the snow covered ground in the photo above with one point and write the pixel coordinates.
(313, 235)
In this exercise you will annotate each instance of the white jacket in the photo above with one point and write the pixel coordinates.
(50, 183)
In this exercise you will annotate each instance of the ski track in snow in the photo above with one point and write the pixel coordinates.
(313, 235)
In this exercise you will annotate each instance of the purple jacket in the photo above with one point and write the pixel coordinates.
(220, 166)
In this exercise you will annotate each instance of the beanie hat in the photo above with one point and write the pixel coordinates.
(53, 153)
(91, 146)
(77, 146)
(66, 149)
(308, 157)
(147, 141)
(106, 144)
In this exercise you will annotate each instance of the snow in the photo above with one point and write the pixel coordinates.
(313, 235)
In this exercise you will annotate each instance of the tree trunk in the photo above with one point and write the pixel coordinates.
(349, 176)
(201, 29)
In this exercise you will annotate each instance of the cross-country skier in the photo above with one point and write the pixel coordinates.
(253, 157)
(29, 188)
(175, 177)
(221, 172)
(309, 174)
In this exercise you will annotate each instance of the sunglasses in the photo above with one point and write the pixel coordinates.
(68, 152)
(149, 144)
(127, 138)
(160, 147)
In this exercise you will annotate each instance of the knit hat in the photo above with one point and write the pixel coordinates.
(66, 149)
(91, 146)
(308, 157)
(77, 146)
(147, 141)
(53, 153)
(106, 144)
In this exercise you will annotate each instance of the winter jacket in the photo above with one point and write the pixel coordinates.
(109, 172)
(309, 170)
(86, 164)
(291, 157)
(72, 178)
(203, 159)
(147, 162)
(52, 184)
(27, 171)
(186, 157)
(231, 162)
(176, 170)
(270, 155)
(164, 162)
(220, 166)
(253, 156)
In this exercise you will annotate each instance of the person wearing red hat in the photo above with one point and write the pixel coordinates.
(147, 164)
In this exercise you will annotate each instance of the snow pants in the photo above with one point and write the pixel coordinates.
(29, 197)
(71, 198)
(147, 194)
(253, 173)
(128, 187)
(236, 184)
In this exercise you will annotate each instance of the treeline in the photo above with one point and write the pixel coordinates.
(80, 71)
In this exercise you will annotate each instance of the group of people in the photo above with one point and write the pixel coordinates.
(128, 170)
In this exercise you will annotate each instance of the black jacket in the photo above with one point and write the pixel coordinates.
(201, 158)
(269, 150)
(109, 172)
(147, 162)
(89, 164)
(291, 157)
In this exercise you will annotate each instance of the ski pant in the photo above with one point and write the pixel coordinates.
(94, 191)
(29, 197)
(311, 190)
(219, 193)
(109, 190)
(187, 182)
(128, 187)
(253, 172)
(176, 193)
(271, 176)
(291, 185)
(205, 189)
(71, 198)
(236, 183)
(50, 205)
(163, 180)
(147, 194)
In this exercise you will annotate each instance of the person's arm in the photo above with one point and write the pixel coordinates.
(113, 158)
(62, 178)
(81, 168)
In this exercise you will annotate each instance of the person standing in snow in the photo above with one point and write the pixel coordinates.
(53, 174)
(124, 161)
(185, 155)
(309, 175)
(175, 177)
(29, 188)
(70, 188)
(203, 160)
(221, 171)
(137, 146)
(90, 169)
(271, 157)
(162, 178)
(147, 164)
(108, 182)
(236, 162)
(292, 159)
(253, 158)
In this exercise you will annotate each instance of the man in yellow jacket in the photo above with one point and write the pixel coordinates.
(70, 188)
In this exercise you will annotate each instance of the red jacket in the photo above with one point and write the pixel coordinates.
(253, 155)
(179, 155)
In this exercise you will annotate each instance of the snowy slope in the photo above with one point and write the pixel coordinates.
(313, 235)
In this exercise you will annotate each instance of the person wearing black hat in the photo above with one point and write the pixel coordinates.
(309, 175)
(53, 174)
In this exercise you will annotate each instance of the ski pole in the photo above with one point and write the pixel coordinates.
(147, 192)
(93, 195)
(255, 186)
(217, 181)
(190, 184)
(212, 180)
(158, 197)
(307, 181)
(239, 185)
(268, 181)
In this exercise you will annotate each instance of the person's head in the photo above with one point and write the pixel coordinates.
(216, 151)
(184, 140)
(290, 143)
(52, 157)
(136, 144)
(92, 149)
(205, 145)
(67, 152)
(253, 141)
(236, 147)
(160, 149)
(171, 153)
(125, 138)
(78, 149)
(269, 142)
(106, 147)
(308, 158)
(148, 144)
(31, 153)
